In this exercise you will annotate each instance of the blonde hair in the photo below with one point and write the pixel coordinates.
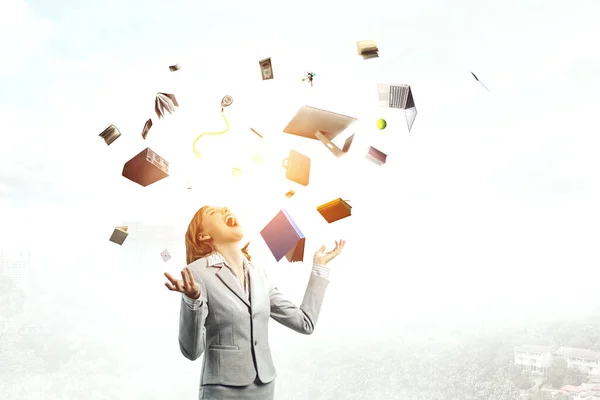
(196, 249)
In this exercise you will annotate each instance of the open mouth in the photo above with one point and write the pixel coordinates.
(231, 221)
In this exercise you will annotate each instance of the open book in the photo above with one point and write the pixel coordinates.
(165, 101)
(110, 134)
(367, 49)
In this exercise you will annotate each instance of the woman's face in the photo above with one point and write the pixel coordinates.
(221, 225)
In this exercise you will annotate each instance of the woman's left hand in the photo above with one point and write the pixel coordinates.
(322, 257)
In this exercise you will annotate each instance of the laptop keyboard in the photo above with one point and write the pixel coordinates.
(398, 96)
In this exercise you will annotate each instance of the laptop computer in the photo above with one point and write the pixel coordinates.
(398, 96)
(310, 120)
(333, 147)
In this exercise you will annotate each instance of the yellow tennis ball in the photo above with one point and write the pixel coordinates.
(381, 124)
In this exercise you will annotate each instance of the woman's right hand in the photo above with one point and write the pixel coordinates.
(186, 285)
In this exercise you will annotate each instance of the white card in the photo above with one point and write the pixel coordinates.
(165, 255)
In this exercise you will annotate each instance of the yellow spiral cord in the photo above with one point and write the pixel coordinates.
(209, 133)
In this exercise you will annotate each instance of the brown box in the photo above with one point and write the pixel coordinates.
(146, 168)
(335, 210)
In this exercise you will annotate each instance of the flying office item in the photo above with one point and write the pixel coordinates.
(314, 123)
(110, 134)
(284, 238)
(119, 235)
(146, 168)
(297, 167)
(146, 129)
(376, 156)
(398, 96)
(335, 210)
(367, 49)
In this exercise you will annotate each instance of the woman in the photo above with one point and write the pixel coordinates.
(226, 304)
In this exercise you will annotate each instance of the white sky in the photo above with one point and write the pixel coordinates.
(489, 205)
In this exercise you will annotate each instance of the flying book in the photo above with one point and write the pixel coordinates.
(297, 167)
(284, 238)
(110, 134)
(335, 210)
(290, 193)
(164, 102)
(146, 129)
(174, 68)
(146, 168)
(376, 156)
(367, 49)
(119, 235)
(398, 96)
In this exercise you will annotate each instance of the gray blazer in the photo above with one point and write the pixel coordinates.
(232, 332)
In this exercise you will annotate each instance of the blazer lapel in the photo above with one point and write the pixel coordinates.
(255, 286)
(227, 278)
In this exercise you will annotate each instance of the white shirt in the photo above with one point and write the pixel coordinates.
(217, 258)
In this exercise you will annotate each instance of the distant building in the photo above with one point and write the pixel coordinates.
(537, 359)
(585, 360)
(533, 358)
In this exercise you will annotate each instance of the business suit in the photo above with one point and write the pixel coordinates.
(231, 327)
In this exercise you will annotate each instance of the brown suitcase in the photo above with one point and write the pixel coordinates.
(146, 168)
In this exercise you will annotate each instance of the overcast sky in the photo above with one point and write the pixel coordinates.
(489, 205)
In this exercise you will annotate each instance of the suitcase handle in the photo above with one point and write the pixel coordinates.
(285, 163)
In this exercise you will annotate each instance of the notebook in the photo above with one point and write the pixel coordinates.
(284, 238)
(376, 156)
(119, 235)
(335, 210)
(146, 129)
(297, 167)
(398, 96)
